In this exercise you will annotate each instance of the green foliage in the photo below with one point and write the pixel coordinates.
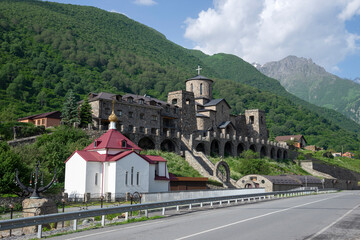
(53, 149)
(70, 113)
(25, 130)
(175, 163)
(85, 113)
(9, 162)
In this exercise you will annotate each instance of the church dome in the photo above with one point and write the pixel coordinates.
(113, 117)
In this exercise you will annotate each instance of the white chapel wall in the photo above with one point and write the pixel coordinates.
(75, 175)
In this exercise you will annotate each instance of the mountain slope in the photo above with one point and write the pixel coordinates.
(50, 48)
(310, 82)
(232, 67)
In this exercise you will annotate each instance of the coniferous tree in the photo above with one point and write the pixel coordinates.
(70, 113)
(85, 113)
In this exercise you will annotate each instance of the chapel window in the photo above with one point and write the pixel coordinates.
(132, 175)
(126, 178)
(130, 114)
(142, 115)
(123, 143)
(96, 179)
(201, 88)
(137, 178)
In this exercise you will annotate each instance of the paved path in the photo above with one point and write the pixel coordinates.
(327, 216)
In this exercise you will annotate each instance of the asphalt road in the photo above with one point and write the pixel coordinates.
(325, 216)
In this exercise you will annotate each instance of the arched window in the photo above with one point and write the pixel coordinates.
(132, 175)
(192, 87)
(126, 178)
(201, 90)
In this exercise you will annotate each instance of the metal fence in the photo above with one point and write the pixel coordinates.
(68, 216)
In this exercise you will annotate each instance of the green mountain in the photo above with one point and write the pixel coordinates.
(50, 48)
(310, 82)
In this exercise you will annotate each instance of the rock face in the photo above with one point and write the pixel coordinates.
(35, 207)
(310, 82)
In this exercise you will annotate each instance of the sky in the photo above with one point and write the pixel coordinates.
(258, 31)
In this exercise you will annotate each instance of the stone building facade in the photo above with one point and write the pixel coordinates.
(189, 120)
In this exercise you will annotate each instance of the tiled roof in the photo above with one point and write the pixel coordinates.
(112, 139)
(199, 77)
(225, 124)
(201, 115)
(215, 102)
(54, 114)
(154, 158)
(289, 137)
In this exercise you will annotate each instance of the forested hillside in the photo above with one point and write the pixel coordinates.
(49, 48)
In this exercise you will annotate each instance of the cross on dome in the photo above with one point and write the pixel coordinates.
(198, 69)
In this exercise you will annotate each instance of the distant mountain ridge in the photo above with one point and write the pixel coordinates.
(310, 82)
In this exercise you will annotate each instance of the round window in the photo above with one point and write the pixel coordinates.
(262, 181)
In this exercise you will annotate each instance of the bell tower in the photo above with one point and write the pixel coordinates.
(201, 87)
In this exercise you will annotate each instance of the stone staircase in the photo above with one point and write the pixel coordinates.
(308, 166)
(202, 164)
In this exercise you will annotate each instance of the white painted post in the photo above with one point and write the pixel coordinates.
(163, 211)
(236, 201)
(39, 233)
(228, 202)
(211, 204)
(189, 206)
(146, 213)
(75, 225)
(126, 216)
(201, 205)
(103, 220)
(220, 203)
(177, 208)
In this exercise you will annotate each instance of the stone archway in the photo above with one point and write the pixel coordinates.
(263, 152)
(272, 153)
(146, 143)
(285, 155)
(200, 148)
(279, 153)
(222, 171)
(240, 148)
(168, 146)
(214, 149)
(228, 149)
(252, 147)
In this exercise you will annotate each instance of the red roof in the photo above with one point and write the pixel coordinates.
(154, 158)
(54, 114)
(112, 139)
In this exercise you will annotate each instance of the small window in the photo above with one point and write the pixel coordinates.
(42, 121)
(142, 129)
(154, 117)
(123, 144)
(132, 175)
(126, 178)
(131, 128)
(141, 101)
(187, 101)
(130, 100)
(201, 88)
(174, 101)
(130, 114)
(137, 178)
(142, 115)
(251, 120)
(119, 113)
(96, 179)
(153, 131)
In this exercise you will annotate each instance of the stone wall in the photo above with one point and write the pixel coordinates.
(336, 171)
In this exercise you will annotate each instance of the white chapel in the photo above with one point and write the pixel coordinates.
(113, 164)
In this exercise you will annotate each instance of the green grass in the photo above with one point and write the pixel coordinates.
(240, 167)
(175, 163)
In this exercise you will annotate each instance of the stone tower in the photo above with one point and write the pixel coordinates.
(201, 87)
(186, 102)
(256, 124)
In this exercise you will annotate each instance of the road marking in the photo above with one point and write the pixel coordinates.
(332, 224)
(249, 219)
(94, 234)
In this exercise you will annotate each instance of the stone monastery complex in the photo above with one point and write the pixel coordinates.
(190, 123)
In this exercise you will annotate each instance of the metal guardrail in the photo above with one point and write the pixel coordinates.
(60, 217)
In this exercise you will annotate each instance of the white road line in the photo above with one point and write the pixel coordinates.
(332, 224)
(249, 219)
(118, 229)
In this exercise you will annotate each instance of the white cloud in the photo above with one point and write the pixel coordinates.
(145, 2)
(268, 30)
(115, 11)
